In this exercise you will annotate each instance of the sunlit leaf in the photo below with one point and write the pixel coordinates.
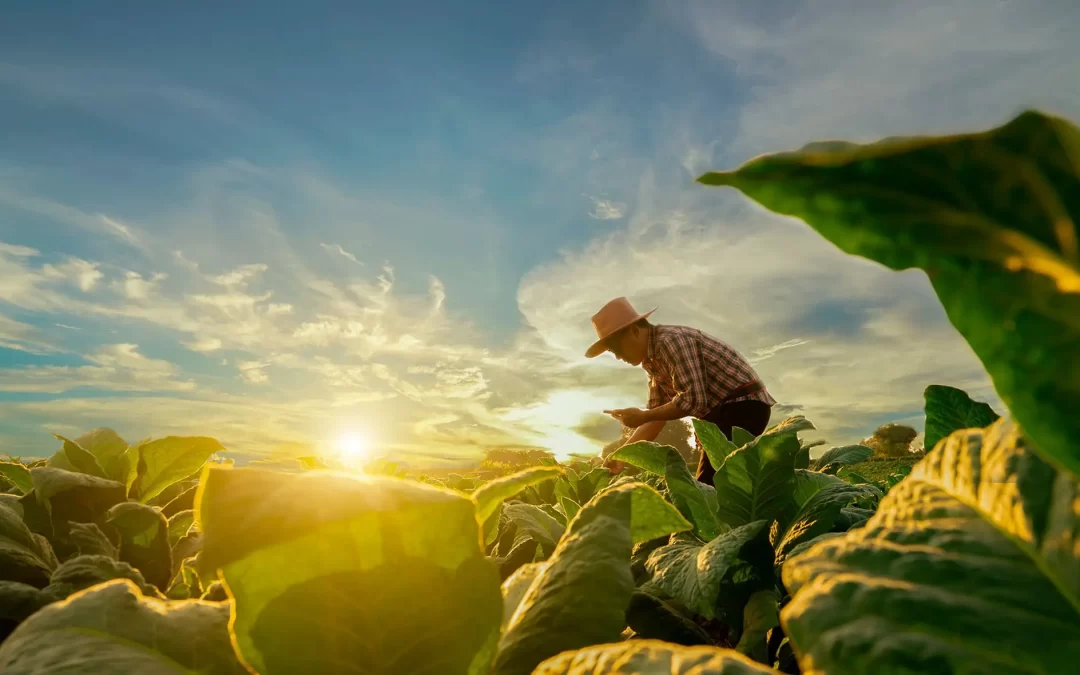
(493, 493)
(949, 409)
(112, 629)
(18, 474)
(992, 219)
(650, 657)
(144, 541)
(167, 460)
(971, 564)
(386, 573)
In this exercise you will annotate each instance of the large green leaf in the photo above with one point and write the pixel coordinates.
(84, 571)
(949, 409)
(843, 455)
(713, 441)
(650, 657)
(992, 219)
(80, 458)
(514, 588)
(696, 501)
(535, 523)
(167, 460)
(756, 481)
(971, 564)
(818, 515)
(17, 602)
(490, 495)
(111, 452)
(691, 572)
(144, 541)
(90, 540)
(112, 630)
(759, 617)
(18, 474)
(21, 559)
(580, 597)
(385, 572)
(179, 524)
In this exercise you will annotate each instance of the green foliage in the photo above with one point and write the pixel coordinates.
(949, 409)
(363, 558)
(490, 495)
(112, 629)
(992, 219)
(18, 475)
(649, 657)
(969, 565)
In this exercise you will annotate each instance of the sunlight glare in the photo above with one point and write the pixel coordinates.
(353, 448)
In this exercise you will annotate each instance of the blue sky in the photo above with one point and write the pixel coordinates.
(278, 223)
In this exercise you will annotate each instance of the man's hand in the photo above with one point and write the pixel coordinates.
(631, 417)
(614, 466)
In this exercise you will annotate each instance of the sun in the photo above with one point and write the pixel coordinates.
(353, 447)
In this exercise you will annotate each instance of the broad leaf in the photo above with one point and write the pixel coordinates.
(84, 571)
(21, 558)
(691, 572)
(113, 630)
(991, 217)
(760, 616)
(18, 474)
(365, 560)
(755, 482)
(61, 497)
(90, 540)
(845, 454)
(650, 657)
(713, 441)
(111, 452)
(167, 460)
(185, 501)
(818, 515)
(971, 564)
(515, 586)
(651, 618)
(809, 483)
(646, 455)
(489, 496)
(17, 602)
(570, 507)
(185, 584)
(740, 436)
(80, 458)
(144, 541)
(535, 523)
(179, 524)
(697, 502)
(949, 409)
(581, 596)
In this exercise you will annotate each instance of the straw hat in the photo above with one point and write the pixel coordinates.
(612, 318)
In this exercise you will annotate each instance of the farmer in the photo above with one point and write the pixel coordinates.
(691, 374)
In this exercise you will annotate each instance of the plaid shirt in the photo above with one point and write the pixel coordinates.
(695, 370)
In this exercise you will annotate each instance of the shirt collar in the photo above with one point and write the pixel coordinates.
(650, 352)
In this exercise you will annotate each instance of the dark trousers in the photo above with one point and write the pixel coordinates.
(753, 416)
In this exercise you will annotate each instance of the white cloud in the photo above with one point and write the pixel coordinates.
(118, 367)
(119, 229)
(21, 336)
(135, 287)
(336, 248)
(204, 345)
(82, 273)
(769, 352)
(253, 372)
(604, 209)
(241, 276)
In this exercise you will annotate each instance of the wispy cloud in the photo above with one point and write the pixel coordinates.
(118, 367)
(336, 248)
(603, 209)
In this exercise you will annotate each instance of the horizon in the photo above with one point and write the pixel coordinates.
(393, 227)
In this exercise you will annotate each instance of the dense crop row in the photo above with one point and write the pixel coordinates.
(147, 558)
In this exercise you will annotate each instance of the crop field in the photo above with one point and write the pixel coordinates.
(151, 557)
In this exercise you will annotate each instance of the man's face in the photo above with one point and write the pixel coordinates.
(629, 345)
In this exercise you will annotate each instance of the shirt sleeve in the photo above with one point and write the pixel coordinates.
(688, 376)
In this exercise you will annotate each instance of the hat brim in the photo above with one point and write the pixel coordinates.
(600, 346)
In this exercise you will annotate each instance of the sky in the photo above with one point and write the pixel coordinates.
(279, 224)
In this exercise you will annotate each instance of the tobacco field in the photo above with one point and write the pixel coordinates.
(151, 557)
